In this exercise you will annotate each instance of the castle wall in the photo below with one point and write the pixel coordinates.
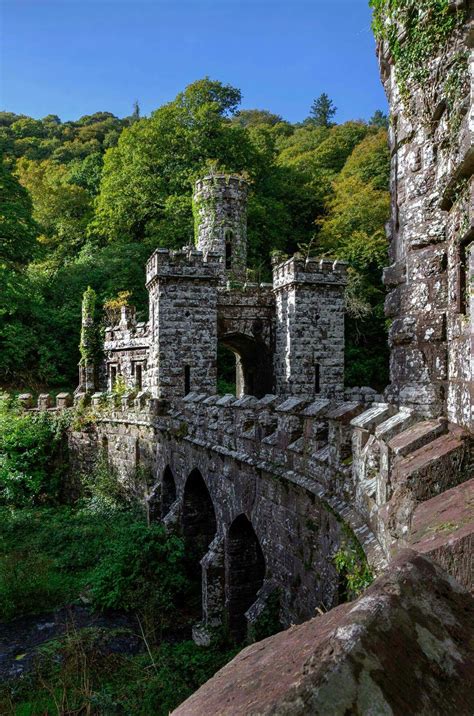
(309, 357)
(431, 131)
(126, 348)
(183, 322)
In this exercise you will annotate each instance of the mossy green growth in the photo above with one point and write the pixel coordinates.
(416, 31)
(88, 344)
(351, 564)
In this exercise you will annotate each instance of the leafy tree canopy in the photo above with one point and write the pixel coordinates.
(102, 192)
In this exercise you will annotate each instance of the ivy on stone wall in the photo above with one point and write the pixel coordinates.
(88, 342)
(416, 31)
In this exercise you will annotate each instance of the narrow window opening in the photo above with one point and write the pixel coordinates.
(137, 452)
(105, 448)
(187, 379)
(138, 376)
(317, 378)
(228, 254)
(463, 283)
(113, 376)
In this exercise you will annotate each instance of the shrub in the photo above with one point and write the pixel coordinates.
(142, 571)
(29, 582)
(31, 457)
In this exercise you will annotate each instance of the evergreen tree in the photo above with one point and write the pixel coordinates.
(322, 111)
(379, 119)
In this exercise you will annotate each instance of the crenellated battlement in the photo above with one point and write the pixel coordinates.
(311, 271)
(185, 263)
(222, 182)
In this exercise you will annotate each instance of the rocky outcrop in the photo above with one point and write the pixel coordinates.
(406, 646)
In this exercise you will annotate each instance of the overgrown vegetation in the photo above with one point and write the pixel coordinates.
(79, 674)
(416, 31)
(351, 563)
(99, 551)
(88, 201)
(32, 455)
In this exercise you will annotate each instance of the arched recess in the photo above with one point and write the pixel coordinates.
(168, 491)
(199, 528)
(245, 572)
(253, 364)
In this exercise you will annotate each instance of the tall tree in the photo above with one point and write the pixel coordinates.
(17, 229)
(322, 111)
(379, 119)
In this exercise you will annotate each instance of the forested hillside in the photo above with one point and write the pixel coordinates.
(85, 203)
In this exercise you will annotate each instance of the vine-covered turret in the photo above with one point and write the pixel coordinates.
(88, 345)
(220, 215)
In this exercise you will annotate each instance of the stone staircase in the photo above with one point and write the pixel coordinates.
(401, 461)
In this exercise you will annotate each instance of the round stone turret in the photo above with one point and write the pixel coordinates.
(220, 211)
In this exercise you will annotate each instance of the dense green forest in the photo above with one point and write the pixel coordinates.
(85, 203)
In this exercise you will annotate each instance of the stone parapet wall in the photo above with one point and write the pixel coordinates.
(401, 460)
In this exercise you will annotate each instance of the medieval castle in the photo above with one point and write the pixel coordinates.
(266, 485)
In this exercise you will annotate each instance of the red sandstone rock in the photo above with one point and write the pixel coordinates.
(406, 646)
(443, 528)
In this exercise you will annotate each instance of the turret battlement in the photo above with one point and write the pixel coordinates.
(311, 270)
(223, 182)
(186, 262)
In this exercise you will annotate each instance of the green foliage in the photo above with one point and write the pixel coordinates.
(142, 572)
(268, 622)
(89, 344)
(353, 230)
(354, 570)
(81, 675)
(47, 555)
(352, 567)
(29, 582)
(31, 455)
(17, 229)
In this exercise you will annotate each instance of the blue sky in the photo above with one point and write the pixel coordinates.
(76, 57)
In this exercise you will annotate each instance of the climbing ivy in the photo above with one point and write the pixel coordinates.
(88, 342)
(416, 31)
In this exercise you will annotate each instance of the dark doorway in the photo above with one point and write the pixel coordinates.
(168, 491)
(245, 572)
(199, 529)
(252, 372)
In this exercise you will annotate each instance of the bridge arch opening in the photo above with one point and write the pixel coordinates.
(251, 372)
(168, 491)
(199, 526)
(245, 572)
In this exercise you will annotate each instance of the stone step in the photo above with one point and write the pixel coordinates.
(396, 424)
(439, 461)
(369, 419)
(417, 436)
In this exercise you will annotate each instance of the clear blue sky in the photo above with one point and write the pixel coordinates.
(76, 57)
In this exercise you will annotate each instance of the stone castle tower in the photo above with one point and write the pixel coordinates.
(220, 212)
